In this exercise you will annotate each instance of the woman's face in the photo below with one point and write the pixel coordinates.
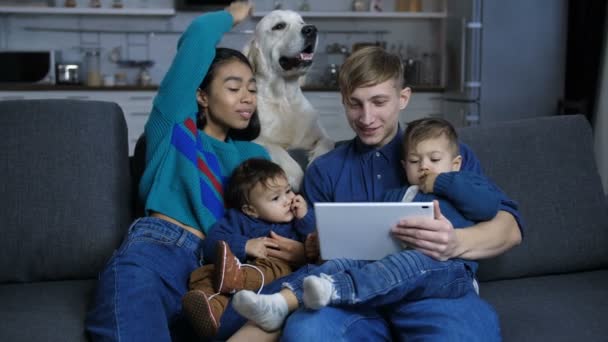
(230, 100)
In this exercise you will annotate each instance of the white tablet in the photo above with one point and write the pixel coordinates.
(361, 230)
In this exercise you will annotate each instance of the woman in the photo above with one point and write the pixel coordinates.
(139, 292)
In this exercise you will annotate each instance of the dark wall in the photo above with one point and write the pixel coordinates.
(585, 45)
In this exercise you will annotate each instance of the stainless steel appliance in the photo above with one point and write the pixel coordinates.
(68, 73)
(19, 66)
(505, 59)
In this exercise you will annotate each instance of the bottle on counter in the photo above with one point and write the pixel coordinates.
(93, 68)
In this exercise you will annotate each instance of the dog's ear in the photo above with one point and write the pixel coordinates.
(252, 52)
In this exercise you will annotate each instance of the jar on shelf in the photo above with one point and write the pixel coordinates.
(69, 3)
(304, 6)
(359, 5)
(408, 5)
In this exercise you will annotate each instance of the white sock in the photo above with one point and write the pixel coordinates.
(267, 311)
(317, 291)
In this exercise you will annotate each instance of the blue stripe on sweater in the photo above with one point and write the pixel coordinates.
(183, 142)
(212, 161)
(211, 201)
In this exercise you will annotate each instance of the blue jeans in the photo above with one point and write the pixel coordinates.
(138, 296)
(465, 318)
(411, 303)
(408, 275)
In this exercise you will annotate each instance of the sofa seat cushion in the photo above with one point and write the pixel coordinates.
(45, 311)
(568, 307)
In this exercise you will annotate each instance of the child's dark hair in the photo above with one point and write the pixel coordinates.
(223, 56)
(246, 176)
(427, 128)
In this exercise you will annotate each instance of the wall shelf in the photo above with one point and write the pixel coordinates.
(88, 11)
(366, 15)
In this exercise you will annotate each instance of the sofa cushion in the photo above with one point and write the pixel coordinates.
(572, 307)
(44, 311)
(546, 165)
(66, 192)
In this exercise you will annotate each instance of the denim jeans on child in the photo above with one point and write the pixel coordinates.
(408, 275)
(138, 296)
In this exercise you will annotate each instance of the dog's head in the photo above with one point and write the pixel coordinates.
(283, 44)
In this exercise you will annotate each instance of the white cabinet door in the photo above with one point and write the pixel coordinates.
(422, 105)
(331, 113)
(136, 105)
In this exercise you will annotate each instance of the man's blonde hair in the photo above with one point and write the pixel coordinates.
(368, 67)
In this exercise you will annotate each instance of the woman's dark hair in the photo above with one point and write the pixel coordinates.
(223, 56)
(246, 176)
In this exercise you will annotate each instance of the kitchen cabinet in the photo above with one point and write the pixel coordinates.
(418, 37)
(87, 11)
(365, 15)
(331, 111)
(136, 105)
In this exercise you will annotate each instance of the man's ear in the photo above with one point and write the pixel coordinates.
(456, 163)
(249, 210)
(202, 98)
(404, 97)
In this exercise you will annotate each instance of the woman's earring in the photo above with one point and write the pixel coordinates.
(201, 120)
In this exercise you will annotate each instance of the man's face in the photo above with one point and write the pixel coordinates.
(373, 112)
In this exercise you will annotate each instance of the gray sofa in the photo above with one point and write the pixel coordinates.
(67, 202)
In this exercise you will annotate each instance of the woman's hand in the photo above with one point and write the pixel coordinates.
(239, 10)
(434, 237)
(291, 251)
(311, 246)
(258, 248)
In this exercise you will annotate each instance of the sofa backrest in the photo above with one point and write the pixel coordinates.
(66, 195)
(547, 165)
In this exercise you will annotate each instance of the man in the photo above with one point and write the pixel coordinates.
(371, 83)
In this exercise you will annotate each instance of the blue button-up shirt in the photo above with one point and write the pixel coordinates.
(354, 172)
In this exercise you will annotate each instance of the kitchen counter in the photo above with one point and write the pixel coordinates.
(67, 87)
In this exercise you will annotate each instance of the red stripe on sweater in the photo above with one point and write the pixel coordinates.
(205, 169)
(191, 125)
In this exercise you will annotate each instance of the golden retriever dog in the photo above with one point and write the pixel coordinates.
(281, 52)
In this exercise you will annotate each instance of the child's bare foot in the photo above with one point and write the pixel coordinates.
(318, 291)
(267, 311)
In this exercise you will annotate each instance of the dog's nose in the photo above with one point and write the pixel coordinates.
(309, 30)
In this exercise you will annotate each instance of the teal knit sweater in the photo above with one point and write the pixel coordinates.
(185, 168)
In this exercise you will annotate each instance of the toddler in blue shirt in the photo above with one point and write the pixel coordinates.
(259, 200)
